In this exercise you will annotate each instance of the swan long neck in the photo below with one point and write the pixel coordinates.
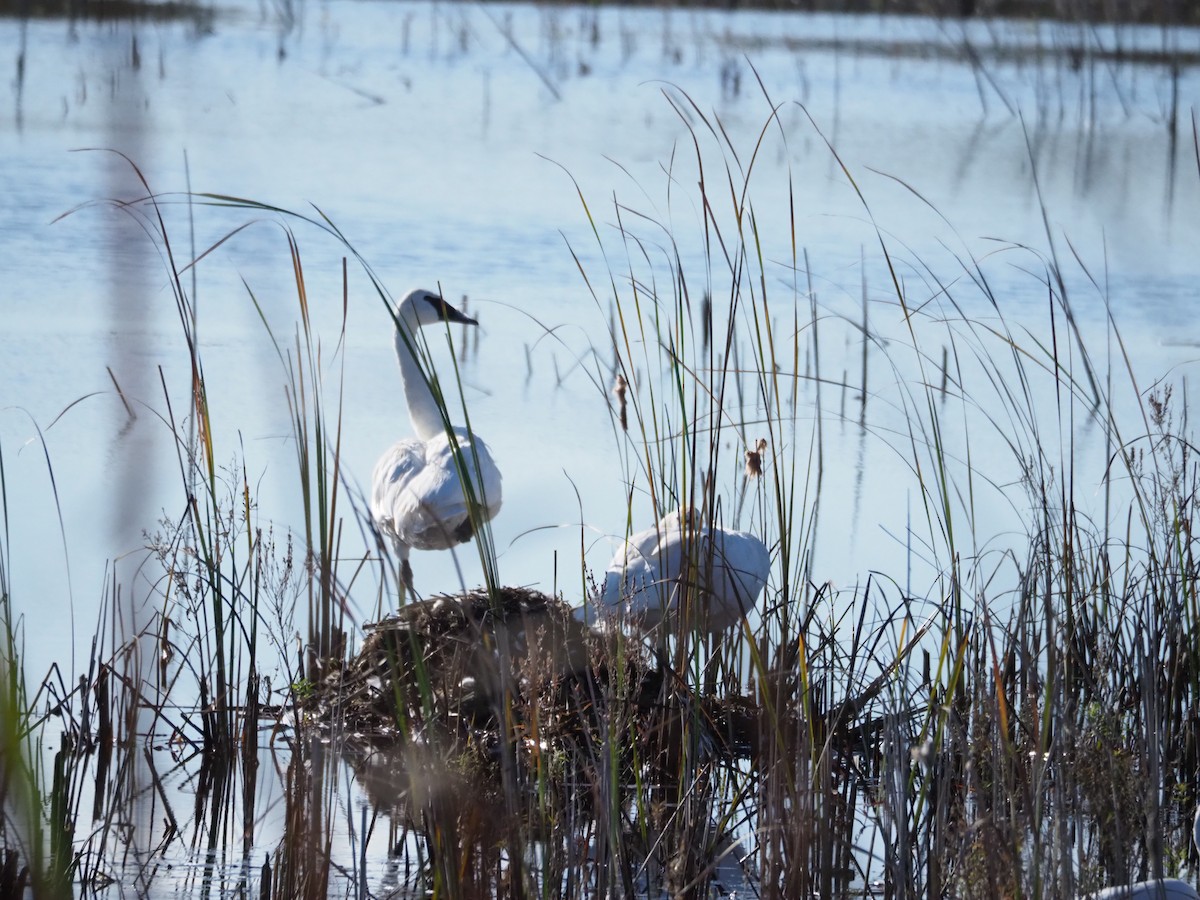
(422, 407)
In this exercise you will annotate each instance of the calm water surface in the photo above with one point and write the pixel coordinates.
(447, 142)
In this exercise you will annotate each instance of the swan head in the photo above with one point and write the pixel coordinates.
(677, 520)
(421, 307)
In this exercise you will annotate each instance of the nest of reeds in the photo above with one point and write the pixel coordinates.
(465, 682)
(447, 661)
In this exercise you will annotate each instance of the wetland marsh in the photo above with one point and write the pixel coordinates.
(945, 268)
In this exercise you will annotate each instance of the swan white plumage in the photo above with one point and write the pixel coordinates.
(716, 572)
(430, 491)
(1155, 888)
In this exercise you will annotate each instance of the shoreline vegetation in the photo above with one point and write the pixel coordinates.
(1076, 50)
(1162, 13)
(110, 10)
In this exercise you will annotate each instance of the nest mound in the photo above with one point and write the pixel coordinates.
(491, 710)
(479, 669)
(448, 691)
(448, 662)
(476, 713)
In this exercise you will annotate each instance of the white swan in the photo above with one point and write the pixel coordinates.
(431, 491)
(716, 572)
(1155, 888)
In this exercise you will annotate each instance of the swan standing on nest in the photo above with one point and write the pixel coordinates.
(717, 574)
(433, 490)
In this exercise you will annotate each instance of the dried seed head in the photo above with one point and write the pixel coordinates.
(619, 388)
(754, 459)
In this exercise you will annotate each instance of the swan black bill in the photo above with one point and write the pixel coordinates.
(448, 312)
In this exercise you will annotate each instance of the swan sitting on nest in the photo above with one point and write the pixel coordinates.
(1155, 888)
(714, 574)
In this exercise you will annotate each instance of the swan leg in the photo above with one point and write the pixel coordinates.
(406, 578)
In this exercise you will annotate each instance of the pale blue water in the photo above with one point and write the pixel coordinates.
(446, 141)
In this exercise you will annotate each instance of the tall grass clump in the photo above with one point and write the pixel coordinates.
(187, 693)
(182, 694)
(1027, 724)
(452, 864)
(37, 825)
(712, 425)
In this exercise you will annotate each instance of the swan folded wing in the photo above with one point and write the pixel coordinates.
(420, 496)
(480, 468)
(720, 577)
(641, 581)
(739, 567)
(634, 586)
(392, 476)
(636, 566)
(741, 563)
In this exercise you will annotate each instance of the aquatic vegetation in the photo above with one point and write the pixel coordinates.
(1021, 722)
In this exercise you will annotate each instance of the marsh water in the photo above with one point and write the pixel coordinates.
(452, 145)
